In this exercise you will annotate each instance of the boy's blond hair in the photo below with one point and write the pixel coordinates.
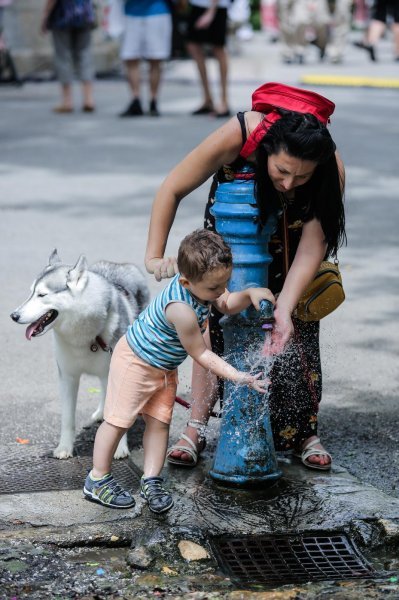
(202, 251)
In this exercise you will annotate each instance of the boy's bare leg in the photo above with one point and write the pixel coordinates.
(155, 443)
(107, 439)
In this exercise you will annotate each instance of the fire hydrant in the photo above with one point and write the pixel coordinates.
(245, 452)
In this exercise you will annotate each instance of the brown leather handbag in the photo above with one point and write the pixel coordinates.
(324, 294)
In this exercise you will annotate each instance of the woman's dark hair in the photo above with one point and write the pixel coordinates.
(303, 136)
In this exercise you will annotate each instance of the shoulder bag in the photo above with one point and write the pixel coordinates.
(324, 294)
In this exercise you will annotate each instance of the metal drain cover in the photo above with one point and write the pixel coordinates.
(26, 468)
(290, 559)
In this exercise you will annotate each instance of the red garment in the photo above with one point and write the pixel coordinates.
(271, 96)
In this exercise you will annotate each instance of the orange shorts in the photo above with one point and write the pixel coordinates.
(135, 387)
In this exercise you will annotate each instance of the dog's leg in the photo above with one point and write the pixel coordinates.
(122, 450)
(69, 386)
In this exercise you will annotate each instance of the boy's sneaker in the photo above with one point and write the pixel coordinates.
(133, 110)
(108, 492)
(158, 499)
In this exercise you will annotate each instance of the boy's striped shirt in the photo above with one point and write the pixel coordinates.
(153, 338)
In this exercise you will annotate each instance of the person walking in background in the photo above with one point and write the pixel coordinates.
(312, 14)
(207, 25)
(296, 17)
(382, 10)
(71, 22)
(341, 18)
(147, 36)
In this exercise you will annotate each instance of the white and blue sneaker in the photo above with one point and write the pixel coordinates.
(108, 492)
(159, 500)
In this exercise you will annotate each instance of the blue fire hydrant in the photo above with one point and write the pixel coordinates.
(245, 452)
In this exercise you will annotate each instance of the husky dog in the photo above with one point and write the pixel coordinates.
(88, 309)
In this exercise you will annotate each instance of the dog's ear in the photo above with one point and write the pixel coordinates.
(54, 259)
(77, 276)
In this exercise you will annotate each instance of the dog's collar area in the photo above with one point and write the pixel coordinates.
(99, 342)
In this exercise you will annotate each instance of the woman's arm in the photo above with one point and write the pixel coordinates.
(308, 257)
(48, 7)
(219, 148)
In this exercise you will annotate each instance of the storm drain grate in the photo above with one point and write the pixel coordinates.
(290, 559)
(32, 469)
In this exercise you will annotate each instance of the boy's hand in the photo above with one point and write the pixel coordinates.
(258, 294)
(254, 382)
(162, 268)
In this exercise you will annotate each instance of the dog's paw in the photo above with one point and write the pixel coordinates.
(97, 415)
(63, 452)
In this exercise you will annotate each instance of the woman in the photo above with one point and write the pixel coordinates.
(71, 22)
(300, 177)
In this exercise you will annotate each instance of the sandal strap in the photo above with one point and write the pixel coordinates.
(200, 426)
(311, 444)
(310, 450)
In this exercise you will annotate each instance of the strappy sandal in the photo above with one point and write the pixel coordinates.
(310, 450)
(192, 449)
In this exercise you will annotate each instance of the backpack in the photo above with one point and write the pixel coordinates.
(72, 13)
(271, 96)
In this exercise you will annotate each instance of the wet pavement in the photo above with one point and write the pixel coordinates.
(85, 185)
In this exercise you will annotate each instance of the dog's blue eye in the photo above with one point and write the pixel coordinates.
(41, 295)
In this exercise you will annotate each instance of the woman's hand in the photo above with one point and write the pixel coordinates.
(282, 332)
(205, 19)
(162, 268)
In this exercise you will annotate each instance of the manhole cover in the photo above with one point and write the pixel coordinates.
(290, 559)
(26, 468)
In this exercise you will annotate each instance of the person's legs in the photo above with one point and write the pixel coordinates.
(63, 57)
(221, 56)
(132, 48)
(84, 66)
(197, 53)
(107, 439)
(295, 393)
(100, 486)
(375, 31)
(135, 108)
(133, 76)
(155, 79)
(155, 442)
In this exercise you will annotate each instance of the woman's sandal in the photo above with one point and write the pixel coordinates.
(192, 449)
(310, 450)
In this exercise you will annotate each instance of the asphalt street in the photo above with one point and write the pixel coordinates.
(84, 184)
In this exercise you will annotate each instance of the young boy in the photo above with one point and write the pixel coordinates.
(143, 372)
